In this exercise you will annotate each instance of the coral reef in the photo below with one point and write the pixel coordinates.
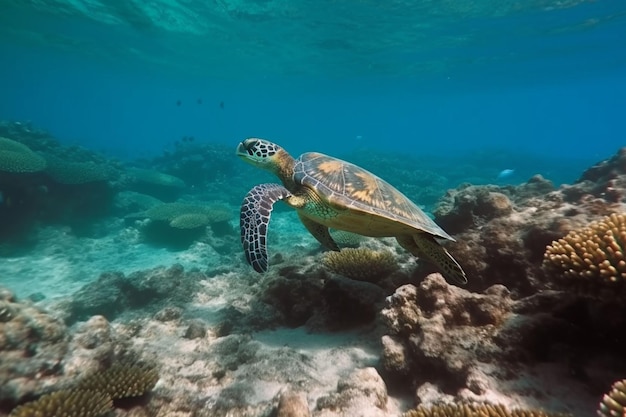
(33, 345)
(177, 225)
(197, 164)
(477, 410)
(433, 327)
(67, 403)
(591, 260)
(444, 335)
(17, 158)
(74, 173)
(613, 403)
(361, 264)
(502, 232)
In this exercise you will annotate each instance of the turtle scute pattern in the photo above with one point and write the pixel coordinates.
(346, 184)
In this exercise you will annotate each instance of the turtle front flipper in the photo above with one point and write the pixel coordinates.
(319, 232)
(256, 210)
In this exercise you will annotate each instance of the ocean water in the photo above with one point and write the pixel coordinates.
(426, 94)
(426, 78)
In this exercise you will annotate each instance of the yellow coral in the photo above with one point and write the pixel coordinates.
(613, 404)
(66, 403)
(361, 264)
(476, 410)
(592, 257)
(121, 380)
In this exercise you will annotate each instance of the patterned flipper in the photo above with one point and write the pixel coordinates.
(256, 210)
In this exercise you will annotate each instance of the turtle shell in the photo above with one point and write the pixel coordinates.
(347, 186)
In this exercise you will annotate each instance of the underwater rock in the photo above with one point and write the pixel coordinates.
(361, 393)
(446, 338)
(113, 293)
(607, 179)
(196, 329)
(33, 344)
(38, 353)
(294, 295)
(432, 328)
(471, 206)
(347, 303)
(168, 314)
(292, 404)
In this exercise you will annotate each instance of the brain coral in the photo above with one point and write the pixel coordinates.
(66, 403)
(476, 410)
(592, 258)
(361, 264)
(18, 158)
(614, 403)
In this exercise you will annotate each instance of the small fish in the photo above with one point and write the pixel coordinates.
(222, 105)
(199, 101)
(178, 103)
(505, 173)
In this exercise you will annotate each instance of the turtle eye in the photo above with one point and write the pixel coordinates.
(249, 146)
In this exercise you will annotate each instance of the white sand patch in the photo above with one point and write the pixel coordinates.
(61, 262)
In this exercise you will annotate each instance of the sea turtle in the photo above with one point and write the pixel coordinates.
(328, 192)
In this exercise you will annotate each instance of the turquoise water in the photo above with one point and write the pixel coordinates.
(434, 78)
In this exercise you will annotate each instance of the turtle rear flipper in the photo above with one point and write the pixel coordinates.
(438, 255)
(424, 246)
(256, 210)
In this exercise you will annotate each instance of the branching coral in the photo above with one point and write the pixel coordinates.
(592, 258)
(476, 410)
(361, 264)
(613, 403)
(66, 403)
(122, 381)
(94, 394)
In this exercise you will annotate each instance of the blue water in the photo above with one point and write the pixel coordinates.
(545, 78)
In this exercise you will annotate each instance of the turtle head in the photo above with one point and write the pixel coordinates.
(264, 154)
